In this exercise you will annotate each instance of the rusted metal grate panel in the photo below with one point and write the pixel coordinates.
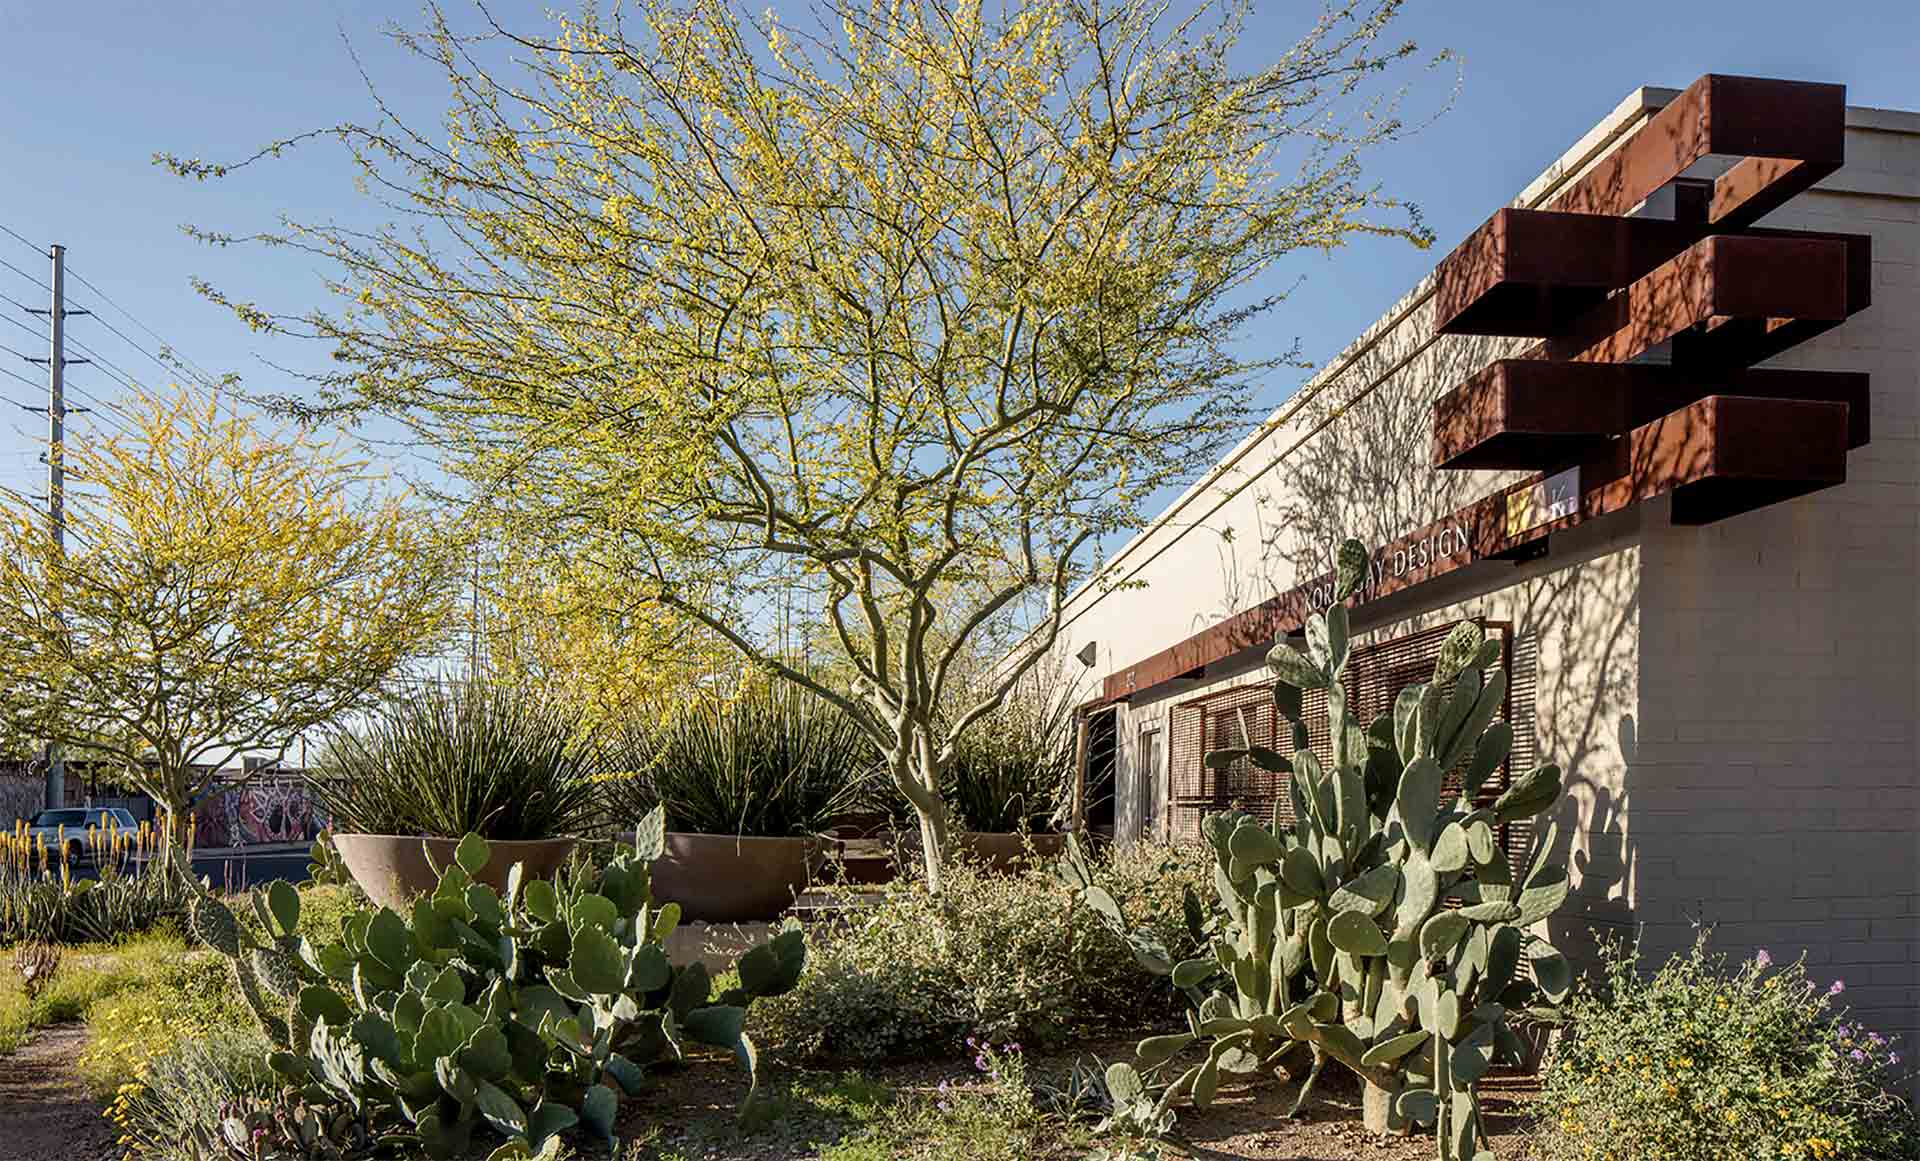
(1375, 676)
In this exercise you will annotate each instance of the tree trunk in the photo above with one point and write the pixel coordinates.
(933, 848)
(916, 771)
(171, 837)
(1377, 1113)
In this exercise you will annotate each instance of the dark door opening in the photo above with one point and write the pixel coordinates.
(1097, 778)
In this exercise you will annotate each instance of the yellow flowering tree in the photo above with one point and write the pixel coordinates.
(562, 630)
(222, 590)
(907, 310)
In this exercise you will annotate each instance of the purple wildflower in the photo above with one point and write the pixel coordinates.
(1762, 959)
(1838, 987)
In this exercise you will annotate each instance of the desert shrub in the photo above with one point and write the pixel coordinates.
(455, 758)
(173, 998)
(1708, 1060)
(173, 1110)
(770, 760)
(1002, 958)
(1152, 883)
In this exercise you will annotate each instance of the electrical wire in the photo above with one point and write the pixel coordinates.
(25, 275)
(197, 371)
(22, 238)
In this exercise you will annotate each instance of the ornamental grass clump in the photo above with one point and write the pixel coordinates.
(456, 758)
(770, 761)
(1013, 771)
(1707, 1059)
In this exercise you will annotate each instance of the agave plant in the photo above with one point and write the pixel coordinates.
(769, 761)
(455, 758)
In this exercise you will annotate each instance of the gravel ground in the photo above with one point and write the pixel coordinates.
(692, 1113)
(45, 1112)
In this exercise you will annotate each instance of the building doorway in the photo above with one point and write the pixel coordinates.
(1097, 774)
(1152, 775)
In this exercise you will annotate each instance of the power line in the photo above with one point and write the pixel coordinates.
(24, 274)
(22, 378)
(198, 372)
(22, 239)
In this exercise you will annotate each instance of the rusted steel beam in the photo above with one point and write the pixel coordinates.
(1538, 416)
(1526, 272)
(1790, 133)
(1716, 279)
(1532, 272)
(1721, 455)
(1733, 343)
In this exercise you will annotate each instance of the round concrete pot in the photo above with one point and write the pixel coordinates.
(1007, 852)
(724, 878)
(393, 869)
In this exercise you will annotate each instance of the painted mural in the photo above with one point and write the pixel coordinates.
(257, 813)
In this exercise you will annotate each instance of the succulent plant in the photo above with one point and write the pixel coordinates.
(283, 1128)
(532, 1010)
(1384, 928)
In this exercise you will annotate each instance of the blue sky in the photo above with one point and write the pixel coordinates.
(91, 91)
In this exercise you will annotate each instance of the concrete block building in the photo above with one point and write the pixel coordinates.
(1658, 427)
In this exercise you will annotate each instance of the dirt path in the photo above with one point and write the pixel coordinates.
(44, 1110)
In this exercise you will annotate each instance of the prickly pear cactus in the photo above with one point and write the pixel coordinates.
(1385, 928)
(532, 1010)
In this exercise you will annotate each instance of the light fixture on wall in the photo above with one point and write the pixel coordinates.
(1087, 653)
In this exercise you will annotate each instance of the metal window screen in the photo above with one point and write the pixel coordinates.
(1375, 676)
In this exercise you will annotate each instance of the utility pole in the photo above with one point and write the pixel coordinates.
(57, 361)
(56, 468)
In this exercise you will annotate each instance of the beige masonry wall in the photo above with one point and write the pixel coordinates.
(1348, 455)
(1735, 704)
(1773, 788)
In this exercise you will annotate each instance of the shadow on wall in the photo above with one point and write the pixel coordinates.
(1361, 466)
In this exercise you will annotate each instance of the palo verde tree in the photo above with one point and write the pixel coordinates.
(914, 304)
(577, 637)
(222, 589)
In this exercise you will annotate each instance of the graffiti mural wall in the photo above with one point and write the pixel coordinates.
(257, 813)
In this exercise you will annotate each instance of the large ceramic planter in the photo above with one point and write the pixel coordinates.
(724, 878)
(1007, 852)
(393, 869)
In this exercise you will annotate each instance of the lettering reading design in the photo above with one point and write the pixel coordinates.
(1393, 564)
